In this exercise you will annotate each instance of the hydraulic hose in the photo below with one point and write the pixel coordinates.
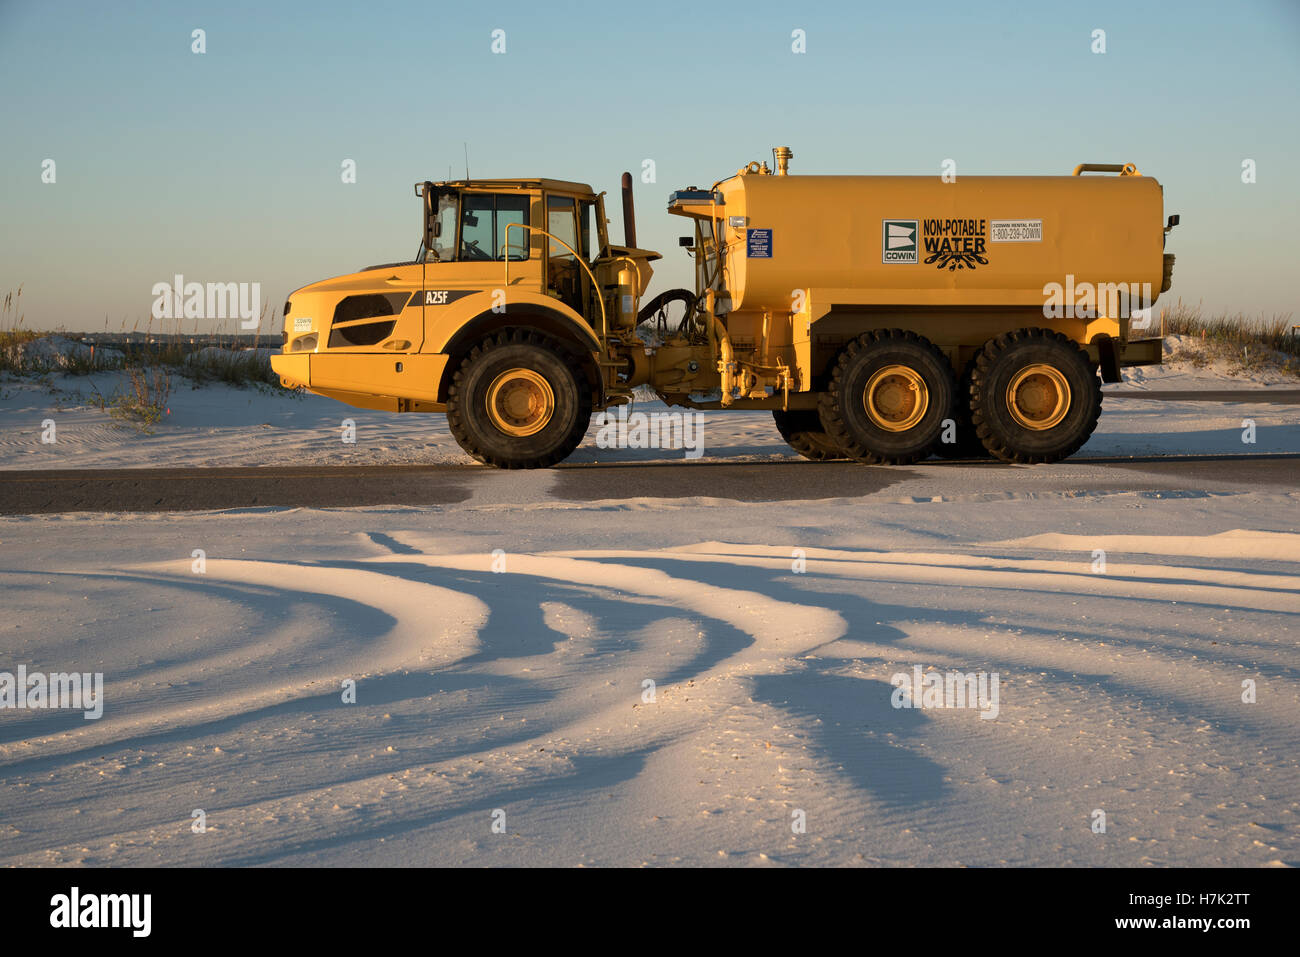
(684, 296)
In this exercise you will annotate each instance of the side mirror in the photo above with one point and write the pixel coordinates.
(1173, 221)
(430, 217)
(686, 241)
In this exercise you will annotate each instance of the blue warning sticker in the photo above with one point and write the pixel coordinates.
(758, 244)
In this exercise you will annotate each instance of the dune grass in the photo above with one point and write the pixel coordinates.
(12, 332)
(170, 351)
(144, 401)
(1280, 333)
(1251, 344)
(147, 368)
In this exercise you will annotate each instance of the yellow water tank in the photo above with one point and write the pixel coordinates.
(918, 240)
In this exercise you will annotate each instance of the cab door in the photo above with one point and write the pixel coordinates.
(566, 280)
(481, 233)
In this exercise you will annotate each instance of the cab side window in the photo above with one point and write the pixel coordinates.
(483, 221)
(562, 224)
(563, 276)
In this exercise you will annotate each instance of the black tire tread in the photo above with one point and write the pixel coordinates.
(998, 446)
(829, 403)
(804, 434)
(456, 412)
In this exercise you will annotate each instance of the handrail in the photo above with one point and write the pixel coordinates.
(1124, 169)
(604, 324)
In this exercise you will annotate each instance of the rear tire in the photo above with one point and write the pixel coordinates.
(802, 431)
(889, 394)
(518, 401)
(1035, 397)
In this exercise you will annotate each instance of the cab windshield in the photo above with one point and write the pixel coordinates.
(473, 227)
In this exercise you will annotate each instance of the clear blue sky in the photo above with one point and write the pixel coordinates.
(226, 166)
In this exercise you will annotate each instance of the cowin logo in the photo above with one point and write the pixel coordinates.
(899, 240)
(75, 910)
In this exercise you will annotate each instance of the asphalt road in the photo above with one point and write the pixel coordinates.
(1279, 396)
(190, 489)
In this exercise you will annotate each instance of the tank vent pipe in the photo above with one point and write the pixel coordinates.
(783, 156)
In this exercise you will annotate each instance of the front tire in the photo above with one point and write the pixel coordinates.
(1035, 397)
(518, 401)
(889, 394)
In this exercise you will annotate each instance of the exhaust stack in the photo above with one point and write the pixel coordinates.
(629, 218)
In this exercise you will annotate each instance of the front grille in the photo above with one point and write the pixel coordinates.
(362, 334)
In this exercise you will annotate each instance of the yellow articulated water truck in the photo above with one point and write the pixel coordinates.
(879, 318)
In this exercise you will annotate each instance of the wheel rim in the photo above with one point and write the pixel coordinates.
(520, 402)
(1038, 397)
(896, 398)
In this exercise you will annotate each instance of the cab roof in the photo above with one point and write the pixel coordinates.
(555, 185)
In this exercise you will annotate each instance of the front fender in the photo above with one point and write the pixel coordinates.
(479, 315)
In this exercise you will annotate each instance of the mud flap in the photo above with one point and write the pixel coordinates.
(1108, 358)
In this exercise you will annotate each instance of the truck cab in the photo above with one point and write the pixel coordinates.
(525, 263)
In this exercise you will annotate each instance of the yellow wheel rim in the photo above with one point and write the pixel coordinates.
(896, 398)
(1038, 397)
(520, 402)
